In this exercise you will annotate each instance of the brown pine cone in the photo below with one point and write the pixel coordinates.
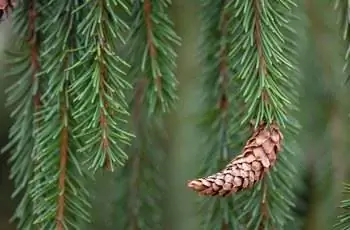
(258, 156)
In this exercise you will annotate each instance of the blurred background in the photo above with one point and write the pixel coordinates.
(323, 114)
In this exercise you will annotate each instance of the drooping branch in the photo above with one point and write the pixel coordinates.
(262, 59)
(268, 87)
(343, 20)
(142, 173)
(24, 94)
(152, 53)
(136, 162)
(147, 7)
(58, 174)
(219, 107)
(101, 121)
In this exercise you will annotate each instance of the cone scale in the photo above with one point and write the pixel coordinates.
(245, 170)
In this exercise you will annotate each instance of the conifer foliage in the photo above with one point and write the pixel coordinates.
(24, 97)
(343, 9)
(88, 75)
(220, 108)
(263, 53)
(58, 191)
(100, 81)
(344, 219)
(261, 59)
(152, 53)
(59, 65)
(143, 172)
(70, 105)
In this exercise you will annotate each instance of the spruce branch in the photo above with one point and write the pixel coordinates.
(152, 51)
(344, 218)
(343, 10)
(100, 84)
(24, 97)
(263, 52)
(58, 186)
(262, 56)
(220, 105)
(140, 197)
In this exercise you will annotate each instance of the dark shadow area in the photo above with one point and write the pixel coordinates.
(7, 205)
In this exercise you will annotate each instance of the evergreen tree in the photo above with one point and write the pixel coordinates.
(94, 82)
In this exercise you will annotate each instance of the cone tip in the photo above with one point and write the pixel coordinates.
(195, 185)
(191, 183)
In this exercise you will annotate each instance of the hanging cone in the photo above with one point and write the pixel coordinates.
(258, 156)
(5, 5)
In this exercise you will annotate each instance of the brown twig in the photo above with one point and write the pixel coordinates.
(264, 96)
(102, 91)
(63, 169)
(147, 7)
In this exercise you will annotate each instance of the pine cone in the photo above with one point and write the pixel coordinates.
(256, 159)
